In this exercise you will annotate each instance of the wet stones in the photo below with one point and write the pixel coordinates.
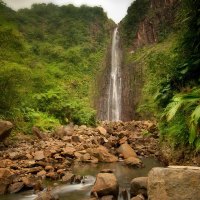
(102, 130)
(127, 151)
(39, 155)
(139, 186)
(134, 162)
(129, 155)
(6, 178)
(106, 184)
(52, 156)
(68, 177)
(102, 154)
(15, 187)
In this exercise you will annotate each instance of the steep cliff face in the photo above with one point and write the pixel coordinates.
(102, 82)
(155, 25)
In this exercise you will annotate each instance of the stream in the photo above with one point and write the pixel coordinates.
(81, 191)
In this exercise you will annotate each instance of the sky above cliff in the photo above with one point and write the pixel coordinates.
(116, 9)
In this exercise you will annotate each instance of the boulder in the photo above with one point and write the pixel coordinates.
(86, 157)
(132, 161)
(52, 175)
(77, 179)
(106, 184)
(102, 154)
(15, 187)
(69, 151)
(39, 155)
(28, 182)
(42, 173)
(101, 130)
(139, 186)
(175, 182)
(126, 151)
(68, 177)
(36, 131)
(5, 129)
(6, 177)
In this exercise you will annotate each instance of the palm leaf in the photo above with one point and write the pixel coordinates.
(195, 116)
(172, 112)
(193, 134)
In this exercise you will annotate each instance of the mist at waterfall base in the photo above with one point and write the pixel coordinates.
(81, 191)
(115, 85)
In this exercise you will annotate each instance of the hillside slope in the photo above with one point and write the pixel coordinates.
(161, 44)
(50, 57)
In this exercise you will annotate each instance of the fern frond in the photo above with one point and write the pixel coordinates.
(195, 116)
(193, 134)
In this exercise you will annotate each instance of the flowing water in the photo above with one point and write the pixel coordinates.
(81, 191)
(114, 90)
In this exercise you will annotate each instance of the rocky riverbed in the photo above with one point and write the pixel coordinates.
(29, 164)
(50, 156)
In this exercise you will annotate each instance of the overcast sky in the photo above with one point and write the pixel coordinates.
(116, 9)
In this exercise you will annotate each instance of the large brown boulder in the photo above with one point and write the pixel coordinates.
(69, 151)
(15, 187)
(5, 129)
(139, 186)
(102, 154)
(126, 151)
(102, 130)
(174, 183)
(6, 178)
(106, 184)
(68, 177)
(39, 155)
(134, 162)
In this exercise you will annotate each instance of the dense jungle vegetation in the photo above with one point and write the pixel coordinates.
(171, 72)
(49, 60)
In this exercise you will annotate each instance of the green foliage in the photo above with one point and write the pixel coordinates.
(158, 63)
(171, 77)
(136, 13)
(50, 57)
(12, 79)
(175, 131)
(189, 104)
(40, 119)
(189, 41)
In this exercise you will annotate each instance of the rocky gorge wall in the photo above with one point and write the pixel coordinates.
(102, 82)
(157, 23)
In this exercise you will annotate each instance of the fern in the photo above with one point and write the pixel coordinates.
(190, 104)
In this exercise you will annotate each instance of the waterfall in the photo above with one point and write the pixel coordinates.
(114, 89)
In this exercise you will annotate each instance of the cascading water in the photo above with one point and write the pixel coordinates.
(114, 90)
